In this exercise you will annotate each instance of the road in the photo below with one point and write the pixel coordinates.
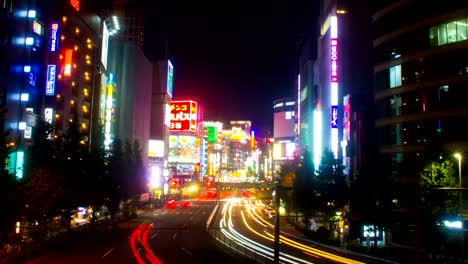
(166, 235)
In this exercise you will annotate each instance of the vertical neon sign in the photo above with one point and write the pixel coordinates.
(334, 84)
(53, 41)
(68, 62)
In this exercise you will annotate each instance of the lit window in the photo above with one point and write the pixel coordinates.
(24, 97)
(451, 32)
(64, 18)
(22, 125)
(72, 102)
(62, 37)
(442, 34)
(29, 41)
(57, 116)
(32, 13)
(26, 68)
(395, 76)
(462, 30)
(77, 30)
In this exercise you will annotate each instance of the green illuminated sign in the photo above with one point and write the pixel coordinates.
(212, 134)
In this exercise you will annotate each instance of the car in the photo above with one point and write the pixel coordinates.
(171, 204)
(185, 204)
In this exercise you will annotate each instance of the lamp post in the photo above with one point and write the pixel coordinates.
(458, 156)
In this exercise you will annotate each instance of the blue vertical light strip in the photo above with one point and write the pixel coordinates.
(203, 160)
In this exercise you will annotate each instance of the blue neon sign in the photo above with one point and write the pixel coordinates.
(334, 116)
(53, 41)
(50, 85)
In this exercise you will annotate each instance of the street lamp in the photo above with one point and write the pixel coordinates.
(458, 156)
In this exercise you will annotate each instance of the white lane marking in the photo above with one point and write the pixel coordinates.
(188, 252)
(108, 252)
(174, 236)
(36, 260)
(154, 235)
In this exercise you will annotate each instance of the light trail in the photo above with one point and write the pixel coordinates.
(305, 248)
(250, 244)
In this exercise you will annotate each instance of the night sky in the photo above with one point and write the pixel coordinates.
(233, 57)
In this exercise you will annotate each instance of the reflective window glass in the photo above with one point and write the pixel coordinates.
(433, 36)
(395, 76)
(442, 34)
(451, 32)
(462, 28)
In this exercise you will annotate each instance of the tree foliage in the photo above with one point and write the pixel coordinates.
(438, 203)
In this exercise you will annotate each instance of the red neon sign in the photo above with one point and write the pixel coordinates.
(75, 4)
(68, 62)
(183, 116)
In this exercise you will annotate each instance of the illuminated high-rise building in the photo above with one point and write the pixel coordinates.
(284, 129)
(23, 45)
(74, 64)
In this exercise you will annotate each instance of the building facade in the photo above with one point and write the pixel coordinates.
(23, 46)
(421, 73)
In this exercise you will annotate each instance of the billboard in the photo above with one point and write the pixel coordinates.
(212, 134)
(284, 124)
(104, 45)
(170, 75)
(156, 148)
(183, 116)
(183, 149)
(50, 84)
(53, 38)
(68, 62)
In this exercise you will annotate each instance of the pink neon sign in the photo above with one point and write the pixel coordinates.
(334, 60)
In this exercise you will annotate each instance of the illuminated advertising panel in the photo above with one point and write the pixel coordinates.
(167, 115)
(170, 77)
(109, 112)
(53, 38)
(334, 116)
(182, 149)
(67, 62)
(284, 124)
(50, 85)
(290, 149)
(39, 29)
(334, 83)
(155, 148)
(185, 169)
(277, 150)
(75, 4)
(212, 134)
(105, 45)
(48, 114)
(183, 116)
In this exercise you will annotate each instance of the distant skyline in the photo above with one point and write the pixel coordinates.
(234, 60)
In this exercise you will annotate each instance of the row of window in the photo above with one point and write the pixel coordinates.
(434, 99)
(450, 32)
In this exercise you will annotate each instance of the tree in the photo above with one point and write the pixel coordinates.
(306, 195)
(8, 183)
(287, 177)
(331, 186)
(436, 203)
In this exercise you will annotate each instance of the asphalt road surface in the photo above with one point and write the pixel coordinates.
(166, 235)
